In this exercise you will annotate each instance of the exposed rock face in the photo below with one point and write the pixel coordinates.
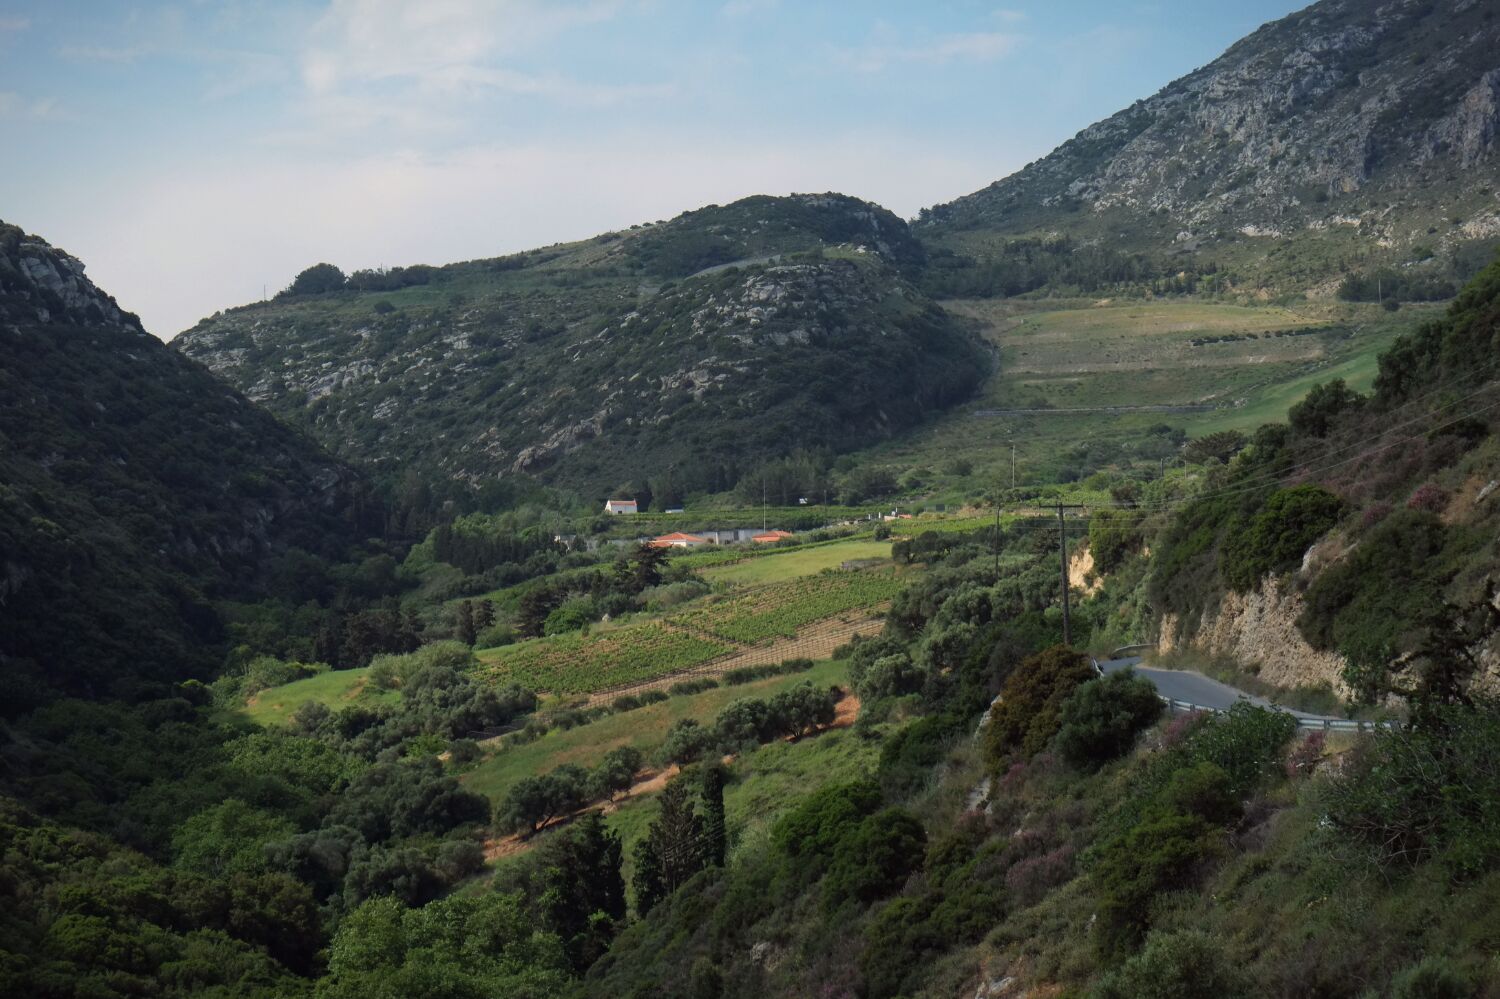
(1380, 114)
(39, 283)
(1260, 628)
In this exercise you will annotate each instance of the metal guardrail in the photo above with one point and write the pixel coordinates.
(1175, 706)
(1315, 724)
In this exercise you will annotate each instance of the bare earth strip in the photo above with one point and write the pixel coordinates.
(815, 641)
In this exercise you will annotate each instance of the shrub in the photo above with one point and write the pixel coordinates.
(1428, 497)
(1278, 536)
(1410, 795)
(1027, 715)
(1031, 878)
(1113, 534)
(873, 859)
(808, 835)
(1153, 856)
(1101, 719)
(1431, 978)
(1182, 965)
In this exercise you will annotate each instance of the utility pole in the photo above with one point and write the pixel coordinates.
(997, 539)
(1062, 541)
(1013, 464)
(762, 504)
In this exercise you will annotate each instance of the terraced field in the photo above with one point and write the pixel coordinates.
(765, 613)
(714, 632)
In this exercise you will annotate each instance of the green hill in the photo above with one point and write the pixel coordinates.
(135, 489)
(695, 348)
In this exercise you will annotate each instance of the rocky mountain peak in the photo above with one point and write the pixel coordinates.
(40, 283)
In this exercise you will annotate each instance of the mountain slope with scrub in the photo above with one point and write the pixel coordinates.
(694, 348)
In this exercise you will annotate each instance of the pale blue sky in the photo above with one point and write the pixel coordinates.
(193, 152)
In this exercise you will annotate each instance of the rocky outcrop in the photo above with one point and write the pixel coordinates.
(41, 284)
(1259, 630)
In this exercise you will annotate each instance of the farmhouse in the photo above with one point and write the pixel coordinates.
(771, 537)
(618, 506)
(677, 539)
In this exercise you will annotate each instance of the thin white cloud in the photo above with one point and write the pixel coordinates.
(1009, 15)
(14, 24)
(14, 106)
(104, 53)
(432, 43)
(977, 46)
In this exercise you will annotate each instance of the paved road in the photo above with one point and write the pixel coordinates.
(1196, 688)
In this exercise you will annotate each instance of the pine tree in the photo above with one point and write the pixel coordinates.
(647, 880)
(715, 835)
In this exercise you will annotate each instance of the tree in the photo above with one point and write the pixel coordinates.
(715, 833)
(643, 568)
(316, 280)
(1100, 720)
(1219, 446)
(468, 628)
(1439, 671)
(1314, 416)
(532, 802)
(673, 850)
(615, 773)
(578, 889)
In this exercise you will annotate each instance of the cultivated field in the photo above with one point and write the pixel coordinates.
(576, 663)
(1213, 366)
(782, 566)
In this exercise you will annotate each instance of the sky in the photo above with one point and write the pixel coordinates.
(198, 154)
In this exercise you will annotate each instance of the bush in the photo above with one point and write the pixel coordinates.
(873, 859)
(1027, 715)
(1278, 536)
(1158, 854)
(1183, 965)
(1431, 978)
(1113, 534)
(1102, 718)
(1411, 795)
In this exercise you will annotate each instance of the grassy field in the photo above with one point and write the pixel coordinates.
(808, 561)
(337, 689)
(644, 728)
(1132, 354)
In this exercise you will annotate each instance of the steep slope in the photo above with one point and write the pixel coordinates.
(1364, 532)
(134, 488)
(696, 347)
(1350, 134)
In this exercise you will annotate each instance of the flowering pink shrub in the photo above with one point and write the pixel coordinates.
(1032, 878)
(1374, 514)
(1304, 757)
(1428, 497)
(1180, 727)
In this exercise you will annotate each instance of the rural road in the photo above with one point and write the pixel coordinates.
(1196, 688)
